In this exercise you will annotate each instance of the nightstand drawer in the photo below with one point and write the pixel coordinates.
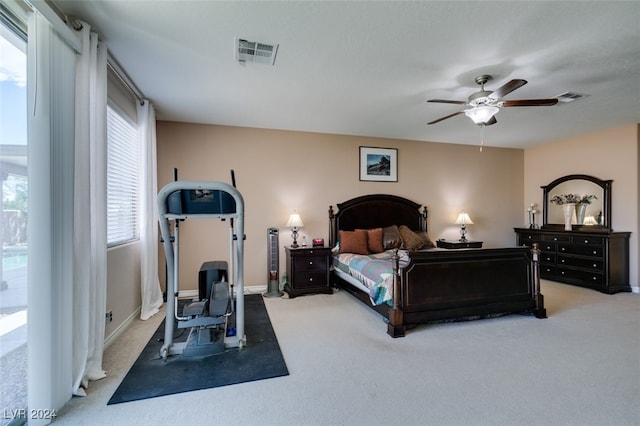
(311, 279)
(310, 263)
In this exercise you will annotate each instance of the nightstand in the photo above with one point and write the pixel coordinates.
(449, 244)
(307, 270)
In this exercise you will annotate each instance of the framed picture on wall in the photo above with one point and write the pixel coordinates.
(378, 164)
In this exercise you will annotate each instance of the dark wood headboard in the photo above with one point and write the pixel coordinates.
(375, 211)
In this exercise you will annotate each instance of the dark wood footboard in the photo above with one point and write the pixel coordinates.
(445, 284)
(461, 284)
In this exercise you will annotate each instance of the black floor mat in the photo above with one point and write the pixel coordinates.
(259, 359)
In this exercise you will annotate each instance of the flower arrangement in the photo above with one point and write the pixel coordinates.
(560, 199)
(586, 199)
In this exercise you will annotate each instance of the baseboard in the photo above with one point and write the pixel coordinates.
(122, 327)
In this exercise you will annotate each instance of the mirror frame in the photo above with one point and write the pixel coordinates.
(606, 203)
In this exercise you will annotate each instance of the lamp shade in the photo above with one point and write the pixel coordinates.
(295, 221)
(464, 219)
(481, 114)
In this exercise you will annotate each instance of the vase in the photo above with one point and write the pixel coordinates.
(581, 209)
(568, 210)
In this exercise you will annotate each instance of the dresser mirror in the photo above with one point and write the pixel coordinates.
(597, 214)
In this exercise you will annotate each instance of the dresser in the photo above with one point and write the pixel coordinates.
(598, 260)
(307, 270)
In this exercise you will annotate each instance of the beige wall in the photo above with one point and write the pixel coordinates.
(123, 284)
(279, 171)
(612, 154)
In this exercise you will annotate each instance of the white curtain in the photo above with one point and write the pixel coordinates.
(50, 89)
(90, 223)
(151, 293)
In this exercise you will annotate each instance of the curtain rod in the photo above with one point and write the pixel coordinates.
(124, 78)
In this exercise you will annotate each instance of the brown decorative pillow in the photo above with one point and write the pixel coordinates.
(374, 240)
(427, 243)
(410, 240)
(391, 237)
(353, 242)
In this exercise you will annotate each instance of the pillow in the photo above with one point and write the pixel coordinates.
(374, 240)
(410, 240)
(353, 242)
(427, 243)
(391, 237)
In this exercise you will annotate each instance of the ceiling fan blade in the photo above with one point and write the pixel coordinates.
(530, 102)
(446, 101)
(507, 88)
(445, 117)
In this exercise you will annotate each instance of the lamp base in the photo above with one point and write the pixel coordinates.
(463, 232)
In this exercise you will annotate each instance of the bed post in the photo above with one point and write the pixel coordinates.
(539, 311)
(332, 227)
(395, 327)
(423, 219)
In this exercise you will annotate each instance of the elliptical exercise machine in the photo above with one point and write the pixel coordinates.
(208, 318)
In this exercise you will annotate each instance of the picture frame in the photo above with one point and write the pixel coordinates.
(378, 164)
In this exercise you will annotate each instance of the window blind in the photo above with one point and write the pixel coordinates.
(122, 179)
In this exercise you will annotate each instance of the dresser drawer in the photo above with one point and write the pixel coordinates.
(587, 240)
(526, 239)
(548, 258)
(578, 262)
(588, 278)
(310, 263)
(582, 250)
(547, 271)
(557, 238)
(549, 246)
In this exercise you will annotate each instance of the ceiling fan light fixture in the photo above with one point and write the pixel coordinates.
(481, 114)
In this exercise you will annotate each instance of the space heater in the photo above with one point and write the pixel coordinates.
(273, 284)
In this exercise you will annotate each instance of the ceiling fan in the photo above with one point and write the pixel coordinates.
(484, 105)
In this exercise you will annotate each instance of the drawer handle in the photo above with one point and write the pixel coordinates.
(595, 266)
(310, 263)
(310, 279)
(594, 278)
(562, 261)
(562, 272)
(595, 252)
(555, 238)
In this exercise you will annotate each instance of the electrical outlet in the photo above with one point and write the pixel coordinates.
(108, 317)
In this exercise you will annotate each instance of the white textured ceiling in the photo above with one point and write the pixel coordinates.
(367, 68)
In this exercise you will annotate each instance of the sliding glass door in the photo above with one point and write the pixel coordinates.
(13, 223)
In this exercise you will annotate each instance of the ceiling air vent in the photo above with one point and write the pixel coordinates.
(570, 97)
(253, 51)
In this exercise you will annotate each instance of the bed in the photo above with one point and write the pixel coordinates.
(433, 284)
